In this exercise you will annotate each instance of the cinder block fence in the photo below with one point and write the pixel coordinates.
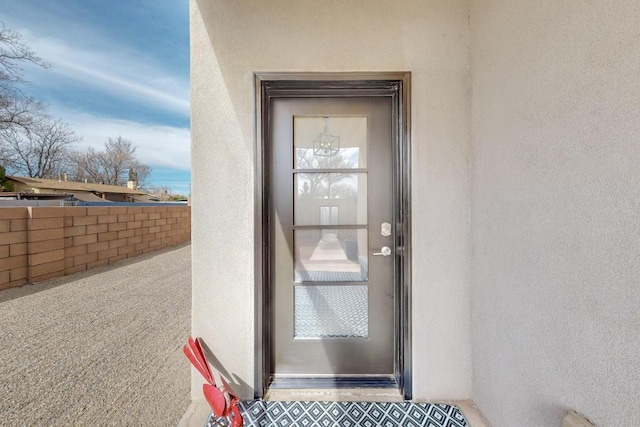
(39, 243)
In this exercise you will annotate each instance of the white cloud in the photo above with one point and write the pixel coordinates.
(156, 144)
(113, 69)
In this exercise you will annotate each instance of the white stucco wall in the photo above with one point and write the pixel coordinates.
(232, 39)
(555, 210)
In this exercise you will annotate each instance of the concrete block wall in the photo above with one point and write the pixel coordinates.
(14, 256)
(39, 243)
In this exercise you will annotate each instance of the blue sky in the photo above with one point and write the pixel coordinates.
(118, 68)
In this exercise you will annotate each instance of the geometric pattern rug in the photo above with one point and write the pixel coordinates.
(258, 413)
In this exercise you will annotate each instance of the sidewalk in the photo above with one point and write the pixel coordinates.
(102, 347)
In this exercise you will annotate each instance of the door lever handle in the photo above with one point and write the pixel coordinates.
(384, 251)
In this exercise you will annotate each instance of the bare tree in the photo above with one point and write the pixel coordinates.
(112, 166)
(30, 142)
(41, 152)
(17, 111)
(141, 173)
(118, 156)
(13, 53)
(82, 166)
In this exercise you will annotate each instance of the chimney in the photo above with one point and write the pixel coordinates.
(65, 176)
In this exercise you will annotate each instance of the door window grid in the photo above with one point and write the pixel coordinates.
(330, 185)
(330, 227)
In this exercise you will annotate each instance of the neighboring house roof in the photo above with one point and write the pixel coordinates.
(71, 186)
(86, 197)
(147, 198)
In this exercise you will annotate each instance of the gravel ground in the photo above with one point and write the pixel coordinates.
(99, 348)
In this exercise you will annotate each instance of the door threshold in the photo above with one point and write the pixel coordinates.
(331, 382)
(335, 394)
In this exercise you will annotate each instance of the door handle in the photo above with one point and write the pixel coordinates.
(384, 251)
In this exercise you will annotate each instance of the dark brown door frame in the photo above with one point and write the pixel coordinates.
(271, 85)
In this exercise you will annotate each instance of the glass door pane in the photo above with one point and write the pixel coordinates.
(330, 142)
(331, 311)
(330, 255)
(330, 189)
(347, 192)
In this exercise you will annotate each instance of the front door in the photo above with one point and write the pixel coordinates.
(333, 231)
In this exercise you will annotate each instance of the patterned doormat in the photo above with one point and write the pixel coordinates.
(349, 414)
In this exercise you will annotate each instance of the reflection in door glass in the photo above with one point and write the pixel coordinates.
(335, 311)
(330, 142)
(346, 192)
(331, 255)
(329, 215)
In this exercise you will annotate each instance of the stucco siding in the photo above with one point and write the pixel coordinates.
(555, 218)
(232, 40)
